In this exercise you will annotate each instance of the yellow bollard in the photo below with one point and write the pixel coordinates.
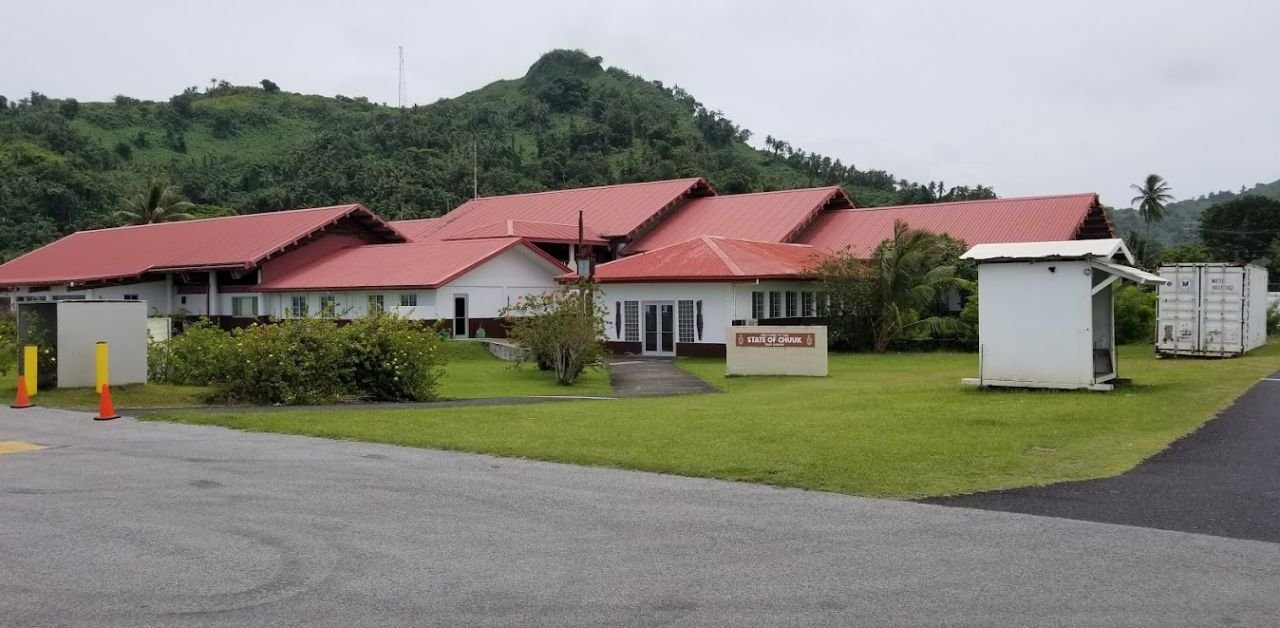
(30, 370)
(100, 354)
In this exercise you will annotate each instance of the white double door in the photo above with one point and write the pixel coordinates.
(658, 327)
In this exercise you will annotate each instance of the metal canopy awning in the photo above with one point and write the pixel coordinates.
(1128, 272)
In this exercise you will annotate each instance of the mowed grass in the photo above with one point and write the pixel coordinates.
(130, 396)
(883, 425)
(472, 373)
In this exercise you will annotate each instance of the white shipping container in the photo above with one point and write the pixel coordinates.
(1211, 310)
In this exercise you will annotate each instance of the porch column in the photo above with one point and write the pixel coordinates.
(213, 294)
(573, 256)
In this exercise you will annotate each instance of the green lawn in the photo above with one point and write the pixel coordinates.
(884, 425)
(131, 396)
(472, 373)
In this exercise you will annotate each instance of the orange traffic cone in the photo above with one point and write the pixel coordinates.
(23, 401)
(106, 411)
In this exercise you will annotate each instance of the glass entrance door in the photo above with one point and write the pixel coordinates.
(659, 328)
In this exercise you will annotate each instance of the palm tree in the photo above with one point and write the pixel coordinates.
(160, 202)
(1152, 196)
(907, 281)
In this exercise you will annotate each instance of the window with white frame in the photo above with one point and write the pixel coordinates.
(409, 299)
(298, 306)
(684, 309)
(244, 307)
(775, 305)
(808, 305)
(131, 297)
(793, 304)
(377, 304)
(631, 321)
(757, 305)
(328, 306)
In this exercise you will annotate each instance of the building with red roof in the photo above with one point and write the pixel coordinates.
(678, 262)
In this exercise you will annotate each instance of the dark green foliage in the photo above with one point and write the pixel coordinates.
(70, 108)
(306, 361)
(1186, 253)
(1241, 230)
(566, 123)
(269, 86)
(1135, 315)
(895, 295)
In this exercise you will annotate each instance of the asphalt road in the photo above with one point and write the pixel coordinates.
(1223, 479)
(129, 524)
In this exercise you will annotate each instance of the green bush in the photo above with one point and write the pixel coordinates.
(1273, 318)
(306, 361)
(1135, 315)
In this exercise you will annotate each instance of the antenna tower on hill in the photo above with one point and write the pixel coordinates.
(403, 90)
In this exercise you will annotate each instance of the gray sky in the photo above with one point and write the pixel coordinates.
(1032, 97)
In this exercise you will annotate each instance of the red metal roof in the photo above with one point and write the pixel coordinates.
(413, 265)
(763, 217)
(235, 242)
(710, 258)
(418, 228)
(533, 231)
(613, 211)
(1029, 219)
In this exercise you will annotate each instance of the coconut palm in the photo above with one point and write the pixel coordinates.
(1152, 196)
(907, 279)
(160, 202)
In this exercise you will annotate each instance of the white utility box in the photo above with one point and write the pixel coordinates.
(1211, 310)
(1045, 312)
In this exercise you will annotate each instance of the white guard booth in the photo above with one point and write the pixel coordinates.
(1045, 312)
(78, 325)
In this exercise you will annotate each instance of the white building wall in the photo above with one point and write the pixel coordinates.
(1036, 322)
(722, 302)
(498, 283)
(154, 293)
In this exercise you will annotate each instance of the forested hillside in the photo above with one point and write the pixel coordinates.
(66, 165)
(1181, 222)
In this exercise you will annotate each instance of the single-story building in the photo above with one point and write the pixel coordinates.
(681, 299)
(671, 252)
(464, 282)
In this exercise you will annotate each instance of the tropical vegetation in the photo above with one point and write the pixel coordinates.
(66, 165)
(561, 331)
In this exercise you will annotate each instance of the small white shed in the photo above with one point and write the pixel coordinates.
(74, 327)
(1045, 312)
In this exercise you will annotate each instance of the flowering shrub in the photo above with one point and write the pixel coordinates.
(306, 361)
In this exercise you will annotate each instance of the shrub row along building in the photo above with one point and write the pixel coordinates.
(679, 263)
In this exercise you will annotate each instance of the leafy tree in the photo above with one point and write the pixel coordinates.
(70, 108)
(1186, 253)
(159, 202)
(269, 86)
(1242, 230)
(562, 329)
(1146, 251)
(1135, 315)
(1153, 195)
(888, 297)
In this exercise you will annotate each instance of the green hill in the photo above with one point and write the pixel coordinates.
(568, 122)
(1182, 218)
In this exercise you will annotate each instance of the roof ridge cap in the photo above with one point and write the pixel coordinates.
(724, 257)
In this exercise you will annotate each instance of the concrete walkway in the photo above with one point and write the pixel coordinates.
(1223, 479)
(124, 523)
(652, 377)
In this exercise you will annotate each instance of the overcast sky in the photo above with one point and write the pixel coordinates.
(1030, 97)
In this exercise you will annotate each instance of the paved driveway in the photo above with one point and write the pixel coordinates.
(124, 523)
(1223, 479)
